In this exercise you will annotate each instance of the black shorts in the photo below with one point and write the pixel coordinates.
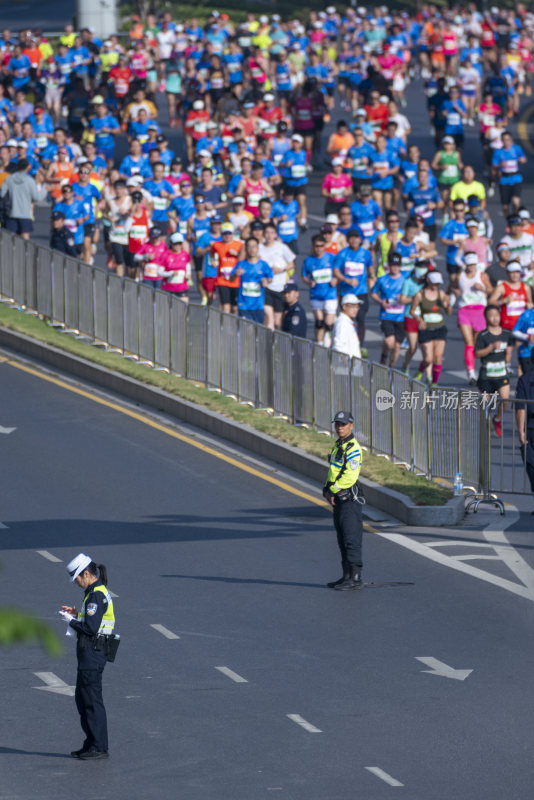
(390, 327)
(509, 190)
(491, 385)
(330, 90)
(285, 94)
(332, 207)
(433, 334)
(294, 246)
(453, 269)
(120, 253)
(89, 230)
(318, 125)
(228, 295)
(297, 189)
(432, 232)
(275, 300)
(198, 262)
(357, 183)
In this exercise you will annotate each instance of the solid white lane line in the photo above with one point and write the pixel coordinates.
(165, 631)
(303, 723)
(384, 776)
(48, 556)
(232, 675)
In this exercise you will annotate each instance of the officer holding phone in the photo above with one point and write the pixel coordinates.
(94, 625)
(341, 491)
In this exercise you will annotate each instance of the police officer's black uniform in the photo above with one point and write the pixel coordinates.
(525, 391)
(341, 486)
(62, 240)
(295, 320)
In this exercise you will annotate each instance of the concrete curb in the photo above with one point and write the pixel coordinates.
(387, 500)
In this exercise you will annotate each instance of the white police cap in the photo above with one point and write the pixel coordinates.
(77, 565)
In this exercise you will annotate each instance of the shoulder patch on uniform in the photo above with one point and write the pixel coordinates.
(354, 464)
(91, 609)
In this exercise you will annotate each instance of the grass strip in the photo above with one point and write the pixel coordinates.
(418, 489)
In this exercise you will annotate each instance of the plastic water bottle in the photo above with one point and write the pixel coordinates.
(458, 484)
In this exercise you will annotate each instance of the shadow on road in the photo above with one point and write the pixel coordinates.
(260, 523)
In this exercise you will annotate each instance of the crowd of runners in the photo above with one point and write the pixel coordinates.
(227, 211)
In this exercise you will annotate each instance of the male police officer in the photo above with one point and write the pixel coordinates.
(342, 492)
(61, 238)
(525, 419)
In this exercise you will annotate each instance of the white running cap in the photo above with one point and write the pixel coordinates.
(77, 565)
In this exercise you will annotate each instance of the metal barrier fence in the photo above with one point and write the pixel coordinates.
(305, 383)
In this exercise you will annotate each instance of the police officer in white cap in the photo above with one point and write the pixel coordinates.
(93, 623)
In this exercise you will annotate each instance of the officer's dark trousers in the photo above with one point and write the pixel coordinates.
(90, 706)
(527, 451)
(348, 524)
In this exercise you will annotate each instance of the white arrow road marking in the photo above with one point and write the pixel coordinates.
(53, 684)
(165, 631)
(303, 723)
(384, 776)
(443, 670)
(232, 675)
(7, 430)
(48, 556)
(3, 527)
(496, 540)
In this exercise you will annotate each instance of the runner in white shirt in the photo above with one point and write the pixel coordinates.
(344, 336)
(281, 259)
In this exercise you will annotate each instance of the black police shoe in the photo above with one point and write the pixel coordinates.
(78, 753)
(346, 576)
(92, 754)
(354, 581)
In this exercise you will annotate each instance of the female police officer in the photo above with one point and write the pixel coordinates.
(95, 621)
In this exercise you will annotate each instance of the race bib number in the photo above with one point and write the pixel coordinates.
(251, 289)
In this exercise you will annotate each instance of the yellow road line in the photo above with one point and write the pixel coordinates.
(168, 431)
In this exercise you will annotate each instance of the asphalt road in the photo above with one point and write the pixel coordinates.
(235, 566)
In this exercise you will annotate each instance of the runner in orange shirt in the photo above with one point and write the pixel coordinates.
(225, 254)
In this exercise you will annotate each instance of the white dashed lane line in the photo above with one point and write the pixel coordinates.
(48, 556)
(303, 723)
(384, 776)
(164, 631)
(232, 675)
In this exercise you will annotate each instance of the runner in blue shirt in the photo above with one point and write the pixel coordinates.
(353, 266)
(455, 112)
(294, 171)
(524, 331)
(318, 274)
(284, 214)
(182, 207)
(19, 66)
(255, 275)
(75, 215)
(506, 162)
(162, 193)
(387, 292)
(423, 201)
(367, 216)
(105, 127)
(359, 156)
(383, 166)
(412, 284)
(452, 235)
(88, 194)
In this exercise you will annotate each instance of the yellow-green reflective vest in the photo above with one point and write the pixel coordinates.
(108, 620)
